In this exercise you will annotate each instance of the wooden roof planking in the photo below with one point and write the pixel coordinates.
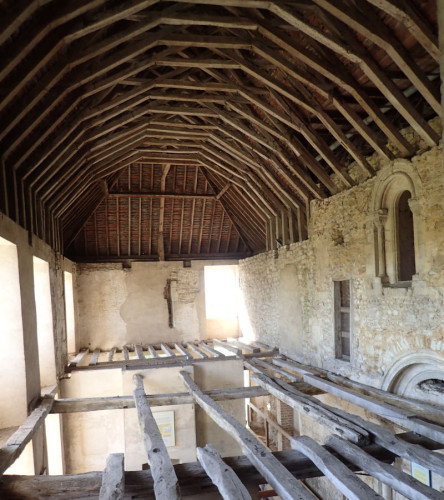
(259, 105)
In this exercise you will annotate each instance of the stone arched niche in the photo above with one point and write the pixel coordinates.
(396, 220)
(418, 375)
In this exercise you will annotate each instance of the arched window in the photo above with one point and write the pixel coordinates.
(406, 267)
(396, 215)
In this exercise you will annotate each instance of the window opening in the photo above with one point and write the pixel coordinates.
(13, 399)
(45, 332)
(405, 237)
(221, 301)
(69, 312)
(54, 444)
(342, 298)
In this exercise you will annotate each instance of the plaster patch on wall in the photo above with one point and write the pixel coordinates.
(188, 284)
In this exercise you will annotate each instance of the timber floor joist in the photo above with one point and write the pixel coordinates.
(354, 444)
(275, 103)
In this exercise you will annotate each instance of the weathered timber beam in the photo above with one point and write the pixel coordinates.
(76, 405)
(213, 352)
(113, 480)
(183, 351)
(411, 451)
(79, 357)
(196, 350)
(359, 54)
(342, 478)
(167, 350)
(166, 484)
(111, 354)
(160, 238)
(275, 473)
(259, 366)
(364, 20)
(223, 476)
(431, 411)
(407, 13)
(163, 195)
(170, 257)
(11, 450)
(404, 418)
(243, 346)
(232, 219)
(95, 357)
(192, 478)
(313, 408)
(399, 481)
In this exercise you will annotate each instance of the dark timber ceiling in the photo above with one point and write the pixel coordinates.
(238, 112)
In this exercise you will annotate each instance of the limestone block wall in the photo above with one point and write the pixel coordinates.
(288, 294)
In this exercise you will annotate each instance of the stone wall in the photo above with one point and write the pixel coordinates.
(288, 293)
(120, 306)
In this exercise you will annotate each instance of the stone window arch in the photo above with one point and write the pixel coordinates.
(411, 374)
(396, 225)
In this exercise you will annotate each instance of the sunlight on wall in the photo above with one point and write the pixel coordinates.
(245, 326)
(69, 311)
(44, 323)
(24, 465)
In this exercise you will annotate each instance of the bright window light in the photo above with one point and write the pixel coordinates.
(45, 333)
(69, 311)
(221, 291)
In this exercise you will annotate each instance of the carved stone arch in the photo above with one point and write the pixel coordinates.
(390, 185)
(410, 370)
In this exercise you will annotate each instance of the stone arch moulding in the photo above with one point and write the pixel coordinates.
(410, 370)
(391, 183)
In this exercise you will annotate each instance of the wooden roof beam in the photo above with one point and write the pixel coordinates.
(364, 20)
(337, 73)
(408, 14)
(358, 54)
(265, 142)
(265, 156)
(298, 149)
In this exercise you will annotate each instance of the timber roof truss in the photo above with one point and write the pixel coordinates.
(273, 103)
